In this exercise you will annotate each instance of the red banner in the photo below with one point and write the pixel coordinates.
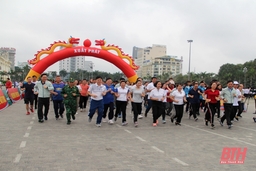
(14, 94)
(3, 102)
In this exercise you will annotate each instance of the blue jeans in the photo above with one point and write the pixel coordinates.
(96, 104)
(149, 106)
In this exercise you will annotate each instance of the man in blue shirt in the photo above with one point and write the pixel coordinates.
(57, 98)
(109, 101)
(194, 99)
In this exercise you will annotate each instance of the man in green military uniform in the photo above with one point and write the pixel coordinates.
(70, 93)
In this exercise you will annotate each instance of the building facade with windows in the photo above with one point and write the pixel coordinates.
(144, 58)
(5, 65)
(73, 64)
(11, 55)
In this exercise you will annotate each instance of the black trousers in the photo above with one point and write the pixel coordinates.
(121, 107)
(58, 106)
(109, 106)
(218, 109)
(210, 111)
(35, 98)
(241, 108)
(235, 110)
(136, 110)
(83, 101)
(228, 110)
(157, 108)
(169, 107)
(43, 102)
(163, 110)
(179, 112)
(194, 109)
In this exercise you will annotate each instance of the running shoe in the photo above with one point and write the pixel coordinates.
(163, 121)
(28, 113)
(98, 125)
(110, 122)
(104, 120)
(89, 119)
(140, 116)
(196, 119)
(136, 124)
(32, 110)
(154, 124)
(124, 123)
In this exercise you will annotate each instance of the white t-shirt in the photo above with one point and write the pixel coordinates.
(136, 92)
(150, 86)
(235, 102)
(165, 99)
(178, 96)
(122, 93)
(157, 93)
(97, 90)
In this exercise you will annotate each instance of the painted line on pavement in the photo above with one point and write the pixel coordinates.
(224, 136)
(23, 144)
(29, 127)
(141, 139)
(246, 128)
(26, 135)
(179, 161)
(118, 125)
(17, 158)
(157, 149)
(128, 131)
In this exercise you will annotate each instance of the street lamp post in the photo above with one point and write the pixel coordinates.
(245, 71)
(189, 41)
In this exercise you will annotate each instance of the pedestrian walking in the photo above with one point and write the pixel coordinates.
(83, 95)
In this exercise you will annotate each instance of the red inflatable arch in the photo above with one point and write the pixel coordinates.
(40, 65)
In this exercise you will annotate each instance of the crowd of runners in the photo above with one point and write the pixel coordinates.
(110, 100)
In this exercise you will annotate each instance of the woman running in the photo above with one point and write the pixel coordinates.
(179, 97)
(138, 94)
(212, 95)
(123, 96)
(157, 95)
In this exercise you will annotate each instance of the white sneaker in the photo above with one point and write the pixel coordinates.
(140, 116)
(124, 123)
(76, 113)
(98, 125)
(104, 120)
(110, 122)
(81, 110)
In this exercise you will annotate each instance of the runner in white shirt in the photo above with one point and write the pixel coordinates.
(34, 80)
(157, 95)
(138, 93)
(97, 91)
(179, 97)
(123, 96)
(164, 102)
(149, 88)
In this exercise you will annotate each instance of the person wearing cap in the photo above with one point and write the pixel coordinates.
(235, 102)
(70, 93)
(97, 91)
(227, 95)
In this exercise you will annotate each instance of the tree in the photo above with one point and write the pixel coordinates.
(63, 73)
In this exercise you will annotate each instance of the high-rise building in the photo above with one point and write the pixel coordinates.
(22, 64)
(72, 64)
(144, 58)
(5, 65)
(11, 53)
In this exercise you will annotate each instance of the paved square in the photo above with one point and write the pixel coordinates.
(55, 146)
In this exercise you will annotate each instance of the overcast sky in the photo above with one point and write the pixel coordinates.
(223, 31)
